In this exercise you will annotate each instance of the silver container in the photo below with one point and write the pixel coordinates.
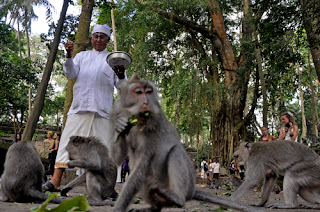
(119, 58)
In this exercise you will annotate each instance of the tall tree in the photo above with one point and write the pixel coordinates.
(81, 39)
(26, 8)
(235, 78)
(40, 97)
(304, 122)
(313, 100)
(311, 20)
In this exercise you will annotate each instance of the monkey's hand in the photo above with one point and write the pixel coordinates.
(121, 124)
(71, 164)
(132, 121)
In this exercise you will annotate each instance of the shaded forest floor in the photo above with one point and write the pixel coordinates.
(193, 205)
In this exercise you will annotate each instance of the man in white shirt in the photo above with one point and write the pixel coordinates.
(216, 170)
(92, 96)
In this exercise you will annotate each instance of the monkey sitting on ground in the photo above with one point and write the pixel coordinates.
(157, 157)
(299, 165)
(101, 172)
(23, 175)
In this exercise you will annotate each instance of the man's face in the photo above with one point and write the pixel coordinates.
(99, 41)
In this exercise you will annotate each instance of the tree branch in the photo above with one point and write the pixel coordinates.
(189, 24)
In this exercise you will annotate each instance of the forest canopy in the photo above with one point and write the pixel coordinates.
(223, 68)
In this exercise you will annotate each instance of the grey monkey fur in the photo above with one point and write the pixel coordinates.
(160, 168)
(23, 175)
(299, 165)
(101, 173)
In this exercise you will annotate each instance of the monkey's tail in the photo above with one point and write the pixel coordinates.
(101, 203)
(203, 196)
(39, 196)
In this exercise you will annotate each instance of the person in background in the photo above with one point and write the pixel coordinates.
(216, 170)
(53, 149)
(265, 135)
(290, 130)
(203, 172)
(125, 170)
(232, 167)
(210, 169)
(49, 137)
(93, 91)
(17, 138)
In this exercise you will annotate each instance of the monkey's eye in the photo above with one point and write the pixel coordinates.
(149, 90)
(138, 91)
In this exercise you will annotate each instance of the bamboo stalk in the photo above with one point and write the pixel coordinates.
(113, 28)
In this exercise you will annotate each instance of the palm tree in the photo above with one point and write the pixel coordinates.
(25, 7)
(39, 100)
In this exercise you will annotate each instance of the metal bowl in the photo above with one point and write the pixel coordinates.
(119, 58)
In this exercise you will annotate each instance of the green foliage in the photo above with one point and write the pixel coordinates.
(15, 76)
(79, 203)
(69, 30)
(53, 106)
(8, 40)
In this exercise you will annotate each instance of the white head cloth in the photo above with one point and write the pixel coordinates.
(102, 29)
(290, 114)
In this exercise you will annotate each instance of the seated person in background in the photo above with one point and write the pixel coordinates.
(265, 135)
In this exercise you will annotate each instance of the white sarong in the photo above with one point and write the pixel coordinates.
(83, 124)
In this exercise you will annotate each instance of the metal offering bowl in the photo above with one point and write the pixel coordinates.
(119, 58)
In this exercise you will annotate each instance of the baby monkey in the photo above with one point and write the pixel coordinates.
(157, 157)
(101, 172)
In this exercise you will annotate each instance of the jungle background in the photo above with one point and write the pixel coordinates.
(224, 68)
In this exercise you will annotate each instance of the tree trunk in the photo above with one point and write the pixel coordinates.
(229, 112)
(304, 122)
(39, 100)
(29, 56)
(81, 36)
(313, 101)
(19, 38)
(311, 20)
(263, 86)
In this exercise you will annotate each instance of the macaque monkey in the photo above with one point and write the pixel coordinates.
(23, 175)
(161, 170)
(101, 172)
(299, 165)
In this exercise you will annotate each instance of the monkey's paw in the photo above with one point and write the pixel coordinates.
(64, 191)
(121, 124)
(70, 164)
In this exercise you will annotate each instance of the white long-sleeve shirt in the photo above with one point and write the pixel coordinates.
(94, 87)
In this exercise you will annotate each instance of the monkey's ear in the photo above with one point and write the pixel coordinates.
(248, 145)
(135, 77)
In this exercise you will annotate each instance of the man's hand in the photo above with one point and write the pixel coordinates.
(69, 47)
(119, 70)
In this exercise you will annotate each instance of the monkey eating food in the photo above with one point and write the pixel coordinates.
(299, 165)
(101, 172)
(157, 157)
(23, 175)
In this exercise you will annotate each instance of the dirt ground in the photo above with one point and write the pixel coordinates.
(192, 206)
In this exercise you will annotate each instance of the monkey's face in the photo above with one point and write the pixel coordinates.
(72, 147)
(142, 98)
(242, 154)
